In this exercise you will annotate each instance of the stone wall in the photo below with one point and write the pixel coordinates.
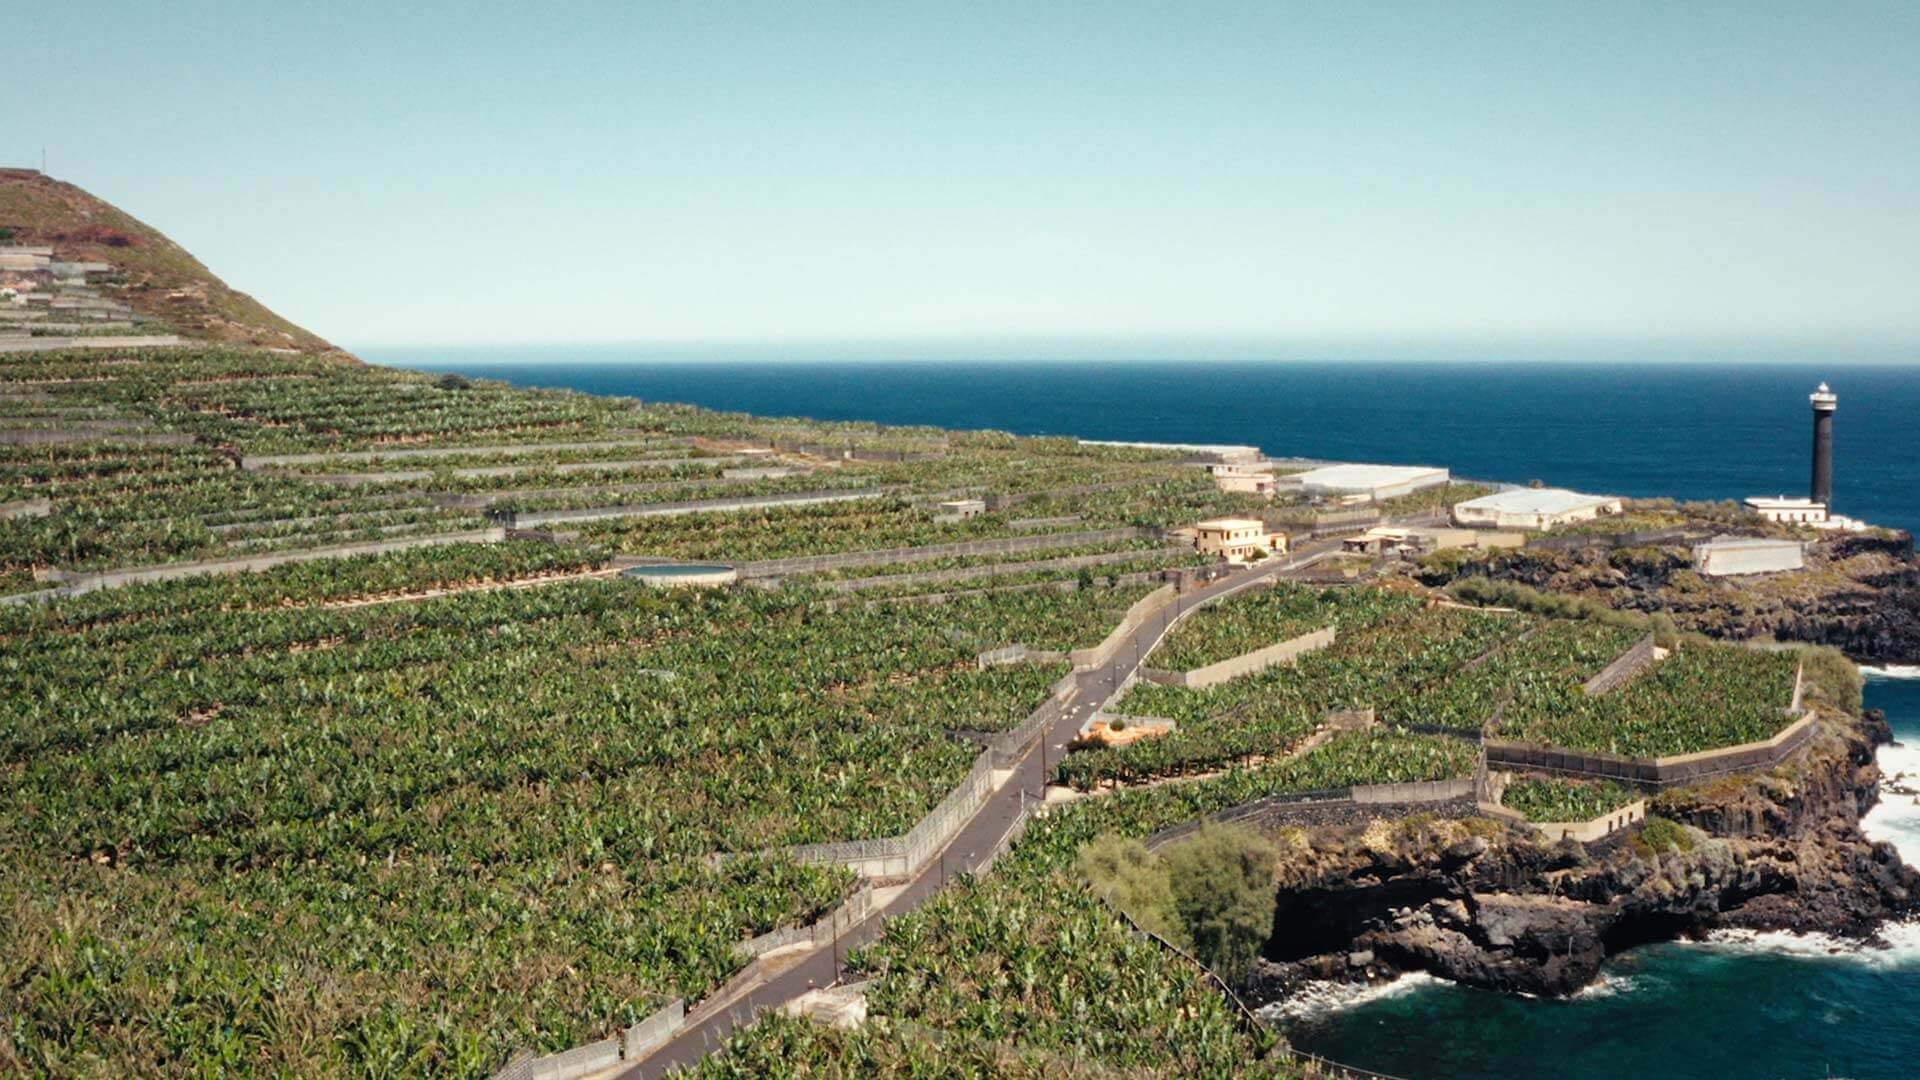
(813, 564)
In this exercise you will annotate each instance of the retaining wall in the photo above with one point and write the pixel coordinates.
(75, 583)
(47, 344)
(1246, 663)
(1587, 832)
(691, 506)
(895, 858)
(63, 436)
(845, 916)
(965, 573)
(1141, 609)
(810, 564)
(25, 508)
(266, 461)
(1630, 663)
(1652, 772)
(1422, 792)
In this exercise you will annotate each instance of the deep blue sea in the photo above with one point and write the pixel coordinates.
(1768, 1006)
(1694, 432)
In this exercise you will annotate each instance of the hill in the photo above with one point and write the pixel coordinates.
(157, 277)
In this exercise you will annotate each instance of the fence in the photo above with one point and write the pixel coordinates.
(1245, 664)
(810, 564)
(845, 916)
(1626, 666)
(603, 1056)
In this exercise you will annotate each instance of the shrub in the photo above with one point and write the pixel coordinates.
(1657, 834)
(453, 381)
(1223, 890)
(1131, 878)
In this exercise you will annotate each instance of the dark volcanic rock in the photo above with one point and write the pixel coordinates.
(1493, 906)
(1860, 594)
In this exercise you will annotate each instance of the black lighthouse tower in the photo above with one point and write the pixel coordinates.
(1824, 403)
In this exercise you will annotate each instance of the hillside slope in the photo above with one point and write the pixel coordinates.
(161, 280)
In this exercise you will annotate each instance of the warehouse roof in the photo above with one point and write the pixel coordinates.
(1536, 501)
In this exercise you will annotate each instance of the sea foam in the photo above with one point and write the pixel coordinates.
(1319, 998)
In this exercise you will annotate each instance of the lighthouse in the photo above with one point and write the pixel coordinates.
(1824, 403)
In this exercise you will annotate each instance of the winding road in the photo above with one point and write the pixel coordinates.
(971, 847)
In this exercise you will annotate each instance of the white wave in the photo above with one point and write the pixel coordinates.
(1320, 998)
(1607, 985)
(1895, 817)
(1899, 945)
(1891, 671)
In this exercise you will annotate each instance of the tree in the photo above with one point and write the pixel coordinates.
(1223, 890)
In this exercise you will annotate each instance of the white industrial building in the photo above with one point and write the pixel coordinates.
(1728, 555)
(1376, 482)
(1538, 509)
(1806, 512)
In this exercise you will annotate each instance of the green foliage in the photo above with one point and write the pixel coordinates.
(1657, 835)
(1251, 620)
(1223, 890)
(1566, 800)
(1133, 879)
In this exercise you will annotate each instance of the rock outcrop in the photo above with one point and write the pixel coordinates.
(1859, 593)
(1492, 905)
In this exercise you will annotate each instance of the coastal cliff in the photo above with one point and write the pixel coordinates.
(1492, 905)
(1859, 593)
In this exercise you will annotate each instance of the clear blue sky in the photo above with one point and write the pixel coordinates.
(1701, 177)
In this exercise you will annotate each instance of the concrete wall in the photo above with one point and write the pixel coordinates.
(25, 508)
(1588, 831)
(965, 573)
(1630, 663)
(694, 506)
(268, 461)
(1102, 654)
(1764, 557)
(810, 564)
(75, 583)
(1652, 772)
(48, 344)
(1246, 663)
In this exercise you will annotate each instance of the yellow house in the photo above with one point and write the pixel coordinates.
(1238, 539)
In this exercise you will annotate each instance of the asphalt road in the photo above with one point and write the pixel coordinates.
(975, 842)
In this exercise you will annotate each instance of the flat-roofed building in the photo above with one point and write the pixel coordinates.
(1539, 509)
(1789, 511)
(1729, 555)
(1374, 482)
(1237, 539)
(954, 510)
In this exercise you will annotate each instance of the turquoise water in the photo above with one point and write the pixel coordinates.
(1769, 1007)
(1746, 1006)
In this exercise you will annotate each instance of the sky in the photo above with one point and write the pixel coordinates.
(1524, 179)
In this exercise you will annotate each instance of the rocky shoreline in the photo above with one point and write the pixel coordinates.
(1494, 906)
(1859, 594)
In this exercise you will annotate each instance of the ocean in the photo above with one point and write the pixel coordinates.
(1739, 1005)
